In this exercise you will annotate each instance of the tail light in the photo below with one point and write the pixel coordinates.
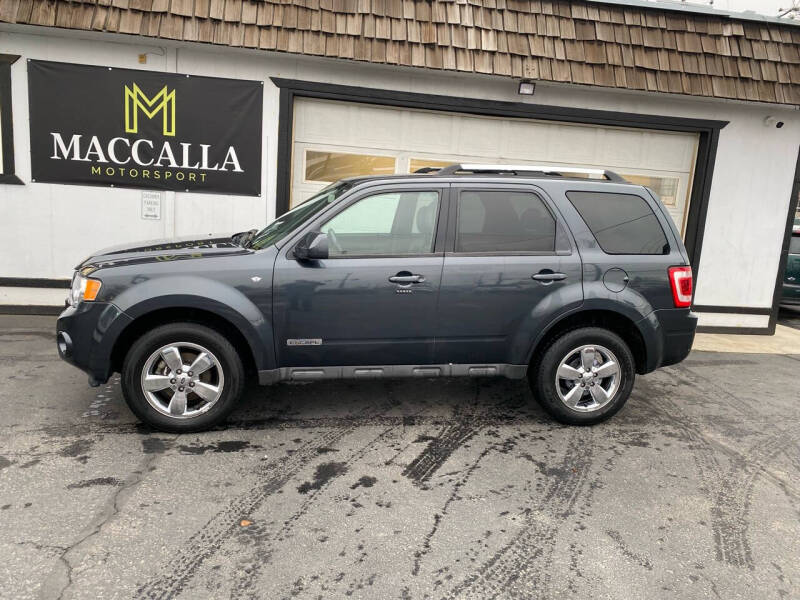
(680, 278)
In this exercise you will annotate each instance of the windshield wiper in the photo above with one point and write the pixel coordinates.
(243, 237)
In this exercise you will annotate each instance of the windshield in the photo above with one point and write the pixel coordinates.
(288, 222)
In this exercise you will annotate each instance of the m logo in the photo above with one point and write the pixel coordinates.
(136, 100)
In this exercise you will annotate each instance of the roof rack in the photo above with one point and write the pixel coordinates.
(550, 170)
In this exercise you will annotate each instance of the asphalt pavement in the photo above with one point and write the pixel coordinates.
(401, 489)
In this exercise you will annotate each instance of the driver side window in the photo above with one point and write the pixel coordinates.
(390, 223)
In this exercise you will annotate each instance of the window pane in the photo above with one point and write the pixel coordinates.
(665, 187)
(504, 222)
(415, 164)
(794, 245)
(621, 223)
(395, 223)
(333, 166)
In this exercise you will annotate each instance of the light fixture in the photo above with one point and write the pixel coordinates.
(527, 87)
(772, 122)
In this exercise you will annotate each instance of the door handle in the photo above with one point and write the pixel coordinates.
(549, 276)
(406, 279)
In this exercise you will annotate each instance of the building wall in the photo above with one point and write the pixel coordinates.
(47, 228)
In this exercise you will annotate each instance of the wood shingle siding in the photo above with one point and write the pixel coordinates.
(576, 42)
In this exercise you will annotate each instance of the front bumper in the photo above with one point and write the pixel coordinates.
(85, 337)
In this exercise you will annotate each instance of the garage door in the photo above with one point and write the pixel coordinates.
(333, 140)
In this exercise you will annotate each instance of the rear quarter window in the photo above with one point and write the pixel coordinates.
(621, 223)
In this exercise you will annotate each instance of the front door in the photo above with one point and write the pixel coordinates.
(373, 301)
(508, 270)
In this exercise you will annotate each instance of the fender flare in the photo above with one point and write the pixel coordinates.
(209, 295)
(647, 326)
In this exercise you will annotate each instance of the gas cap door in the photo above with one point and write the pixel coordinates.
(615, 279)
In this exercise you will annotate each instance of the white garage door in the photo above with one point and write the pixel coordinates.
(333, 140)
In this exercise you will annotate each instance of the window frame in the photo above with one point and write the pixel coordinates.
(360, 194)
(455, 194)
(656, 215)
(8, 174)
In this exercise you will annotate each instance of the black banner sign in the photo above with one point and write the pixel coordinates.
(144, 129)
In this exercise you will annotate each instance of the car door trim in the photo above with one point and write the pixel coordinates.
(508, 371)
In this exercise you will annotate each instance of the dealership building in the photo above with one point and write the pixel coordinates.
(129, 120)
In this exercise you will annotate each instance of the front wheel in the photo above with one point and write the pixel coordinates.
(182, 377)
(584, 376)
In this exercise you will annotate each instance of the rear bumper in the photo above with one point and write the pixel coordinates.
(677, 346)
(85, 337)
(671, 337)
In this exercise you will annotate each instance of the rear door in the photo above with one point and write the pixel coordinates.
(509, 268)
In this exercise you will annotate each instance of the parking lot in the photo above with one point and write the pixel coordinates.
(402, 489)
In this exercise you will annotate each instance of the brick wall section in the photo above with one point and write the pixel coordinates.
(583, 43)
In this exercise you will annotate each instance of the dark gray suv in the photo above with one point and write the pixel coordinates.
(571, 277)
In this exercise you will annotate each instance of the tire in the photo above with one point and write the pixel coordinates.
(600, 397)
(176, 401)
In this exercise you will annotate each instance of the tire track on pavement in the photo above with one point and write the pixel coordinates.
(730, 488)
(465, 423)
(520, 567)
(420, 554)
(731, 510)
(206, 542)
(245, 586)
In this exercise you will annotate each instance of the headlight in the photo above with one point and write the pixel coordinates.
(83, 289)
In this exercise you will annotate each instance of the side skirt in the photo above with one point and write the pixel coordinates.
(390, 371)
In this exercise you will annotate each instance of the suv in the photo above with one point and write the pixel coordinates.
(570, 277)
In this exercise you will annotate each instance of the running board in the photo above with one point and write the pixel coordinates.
(390, 372)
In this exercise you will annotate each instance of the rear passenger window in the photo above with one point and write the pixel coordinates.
(621, 223)
(503, 221)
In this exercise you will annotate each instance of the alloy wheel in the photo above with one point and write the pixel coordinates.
(182, 380)
(588, 377)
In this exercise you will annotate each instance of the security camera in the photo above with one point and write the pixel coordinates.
(772, 121)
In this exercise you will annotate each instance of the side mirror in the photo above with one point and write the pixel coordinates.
(314, 246)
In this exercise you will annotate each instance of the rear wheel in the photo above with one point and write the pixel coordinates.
(584, 376)
(182, 377)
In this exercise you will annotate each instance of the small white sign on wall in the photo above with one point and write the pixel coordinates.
(151, 205)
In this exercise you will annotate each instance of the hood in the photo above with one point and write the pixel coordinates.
(185, 248)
